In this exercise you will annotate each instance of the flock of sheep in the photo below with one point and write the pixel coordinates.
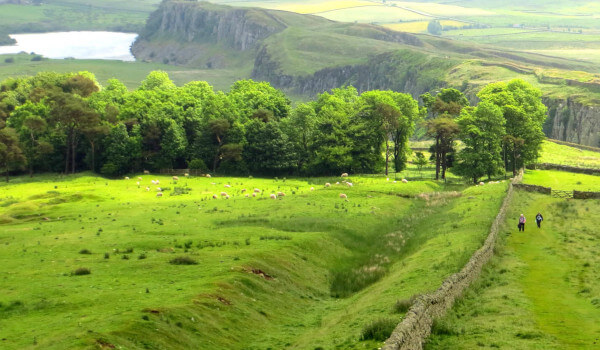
(256, 191)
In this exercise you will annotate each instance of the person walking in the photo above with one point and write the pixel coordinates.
(538, 219)
(522, 223)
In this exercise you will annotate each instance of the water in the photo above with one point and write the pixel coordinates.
(81, 45)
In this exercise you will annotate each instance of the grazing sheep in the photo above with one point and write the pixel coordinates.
(243, 190)
(126, 177)
(153, 182)
(394, 181)
(147, 188)
(175, 178)
(337, 183)
(481, 183)
(312, 188)
(215, 196)
(223, 194)
(227, 197)
(138, 183)
(387, 179)
(404, 181)
(256, 190)
(253, 194)
(273, 196)
(343, 196)
(140, 178)
(146, 172)
(208, 175)
(186, 175)
(246, 195)
(345, 175)
(327, 184)
(157, 182)
(280, 194)
(349, 184)
(227, 186)
(159, 189)
(159, 194)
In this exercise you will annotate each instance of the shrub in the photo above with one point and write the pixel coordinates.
(183, 260)
(378, 330)
(81, 271)
(347, 282)
(106, 256)
(9, 60)
(197, 164)
(85, 251)
(142, 256)
(441, 327)
(402, 306)
(37, 58)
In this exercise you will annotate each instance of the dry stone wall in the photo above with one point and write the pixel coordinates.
(411, 333)
(534, 188)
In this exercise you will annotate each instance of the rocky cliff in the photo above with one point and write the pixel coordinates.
(572, 121)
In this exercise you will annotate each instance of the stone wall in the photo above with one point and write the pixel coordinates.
(411, 333)
(586, 195)
(534, 188)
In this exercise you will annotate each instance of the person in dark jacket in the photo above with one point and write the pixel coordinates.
(538, 219)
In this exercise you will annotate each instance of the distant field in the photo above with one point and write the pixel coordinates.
(565, 155)
(442, 10)
(261, 263)
(541, 291)
(421, 26)
(130, 73)
(373, 14)
(562, 180)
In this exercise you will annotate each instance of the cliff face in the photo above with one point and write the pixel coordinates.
(572, 121)
(407, 71)
(182, 31)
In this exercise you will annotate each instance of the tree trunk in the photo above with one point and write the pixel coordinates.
(437, 157)
(514, 169)
(93, 158)
(73, 156)
(443, 156)
(6, 171)
(69, 138)
(387, 156)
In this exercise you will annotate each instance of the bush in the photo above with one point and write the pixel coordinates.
(403, 305)
(37, 58)
(379, 330)
(183, 260)
(85, 251)
(81, 271)
(197, 164)
(9, 60)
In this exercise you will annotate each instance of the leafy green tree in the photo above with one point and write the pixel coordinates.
(300, 129)
(248, 96)
(11, 155)
(524, 114)
(435, 27)
(120, 151)
(444, 130)
(481, 130)
(268, 149)
(420, 161)
(157, 80)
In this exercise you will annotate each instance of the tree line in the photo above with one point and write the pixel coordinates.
(66, 123)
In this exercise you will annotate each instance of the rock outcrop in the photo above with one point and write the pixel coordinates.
(572, 121)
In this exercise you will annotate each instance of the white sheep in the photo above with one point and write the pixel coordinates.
(126, 177)
(312, 188)
(159, 194)
(394, 181)
(343, 196)
(246, 195)
(256, 190)
(138, 184)
(404, 181)
(481, 183)
(159, 189)
(147, 188)
(186, 175)
(215, 196)
(157, 182)
(146, 172)
(273, 196)
(349, 184)
(153, 182)
(227, 197)
(140, 178)
(327, 184)
(387, 179)
(345, 175)
(253, 194)
(227, 186)
(243, 190)
(337, 183)
(223, 194)
(208, 175)
(280, 194)
(175, 178)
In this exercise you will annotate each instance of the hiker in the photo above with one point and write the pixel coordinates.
(538, 219)
(522, 223)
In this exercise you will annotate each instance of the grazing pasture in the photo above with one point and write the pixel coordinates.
(542, 289)
(565, 155)
(89, 261)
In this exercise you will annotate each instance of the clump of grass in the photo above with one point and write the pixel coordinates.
(125, 257)
(183, 260)
(378, 330)
(347, 282)
(402, 306)
(443, 327)
(142, 256)
(85, 251)
(106, 256)
(81, 271)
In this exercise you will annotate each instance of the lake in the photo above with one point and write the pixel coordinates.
(81, 45)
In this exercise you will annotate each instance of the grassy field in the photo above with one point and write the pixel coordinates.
(562, 180)
(565, 155)
(541, 291)
(273, 265)
(130, 73)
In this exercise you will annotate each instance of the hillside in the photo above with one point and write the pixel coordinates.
(307, 54)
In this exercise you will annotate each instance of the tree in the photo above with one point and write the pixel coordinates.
(443, 129)
(481, 130)
(524, 116)
(420, 161)
(29, 120)
(11, 155)
(435, 27)
(300, 129)
(120, 150)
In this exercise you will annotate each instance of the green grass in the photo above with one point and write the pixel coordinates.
(562, 180)
(130, 73)
(565, 155)
(261, 263)
(541, 291)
